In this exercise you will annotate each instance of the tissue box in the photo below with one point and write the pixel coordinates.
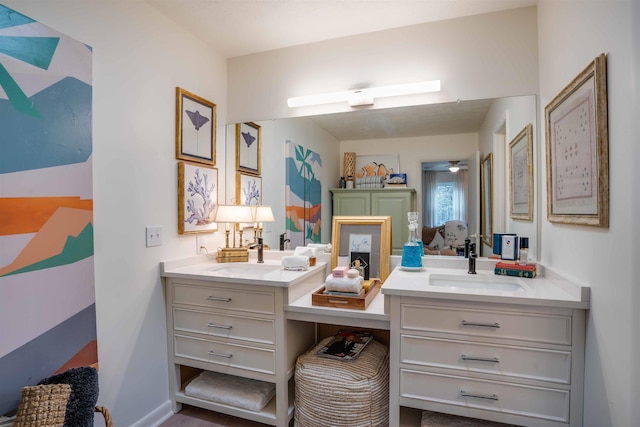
(509, 248)
(339, 271)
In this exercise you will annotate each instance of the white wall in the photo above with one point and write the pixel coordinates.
(463, 53)
(571, 35)
(139, 59)
(413, 151)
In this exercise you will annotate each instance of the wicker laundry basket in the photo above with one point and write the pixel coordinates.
(43, 405)
(349, 393)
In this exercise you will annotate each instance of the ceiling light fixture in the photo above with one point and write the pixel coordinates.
(365, 96)
(453, 166)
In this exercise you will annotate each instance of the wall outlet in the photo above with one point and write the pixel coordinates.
(154, 236)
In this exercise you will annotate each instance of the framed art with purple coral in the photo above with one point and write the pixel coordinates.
(248, 192)
(195, 128)
(248, 146)
(197, 198)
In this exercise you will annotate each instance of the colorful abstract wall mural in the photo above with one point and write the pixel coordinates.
(47, 285)
(303, 195)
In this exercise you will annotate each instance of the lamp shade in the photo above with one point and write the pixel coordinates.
(263, 214)
(234, 213)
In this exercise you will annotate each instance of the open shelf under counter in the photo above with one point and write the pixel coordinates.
(374, 316)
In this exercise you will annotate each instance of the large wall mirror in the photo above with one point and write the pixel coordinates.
(462, 131)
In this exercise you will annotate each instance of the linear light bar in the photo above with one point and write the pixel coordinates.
(366, 96)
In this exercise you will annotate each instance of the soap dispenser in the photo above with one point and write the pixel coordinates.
(412, 250)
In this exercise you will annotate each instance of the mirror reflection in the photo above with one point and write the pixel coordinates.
(423, 137)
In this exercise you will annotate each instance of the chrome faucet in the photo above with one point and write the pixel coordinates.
(283, 240)
(260, 247)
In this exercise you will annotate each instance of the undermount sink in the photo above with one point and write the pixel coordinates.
(490, 283)
(244, 269)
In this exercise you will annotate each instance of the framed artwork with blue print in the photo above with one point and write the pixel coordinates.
(195, 128)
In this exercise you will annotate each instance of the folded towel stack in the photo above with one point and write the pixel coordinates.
(344, 284)
(370, 182)
(324, 247)
(295, 262)
(304, 251)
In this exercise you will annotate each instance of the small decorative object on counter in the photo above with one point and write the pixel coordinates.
(350, 183)
(412, 250)
(524, 251)
(343, 182)
(509, 249)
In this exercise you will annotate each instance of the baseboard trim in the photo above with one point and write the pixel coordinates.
(156, 417)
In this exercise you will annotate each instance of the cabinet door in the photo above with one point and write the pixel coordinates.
(395, 204)
(352, 203)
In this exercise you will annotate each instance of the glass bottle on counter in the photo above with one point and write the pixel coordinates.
(413, 250)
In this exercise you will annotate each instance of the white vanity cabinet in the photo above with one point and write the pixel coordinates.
(510, 363)
(236, 329)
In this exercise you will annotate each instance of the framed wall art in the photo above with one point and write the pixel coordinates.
(248, 147)
(577, 148)
(486, 200)
(195, 128)
(521, 174)
(197, 198)
(363, 238)
(248, 189)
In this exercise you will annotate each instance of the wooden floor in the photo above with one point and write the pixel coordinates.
(191, 416)
(196, 417)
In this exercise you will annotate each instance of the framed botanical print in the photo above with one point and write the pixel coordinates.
(197, 198)
(195, 128)
(248, 147)
(248, 189)
(577, 148)
(521, 174)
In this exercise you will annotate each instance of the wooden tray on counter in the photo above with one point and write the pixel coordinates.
(339, 301)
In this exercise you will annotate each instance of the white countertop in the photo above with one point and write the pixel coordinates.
(548, 290)
(202, 267)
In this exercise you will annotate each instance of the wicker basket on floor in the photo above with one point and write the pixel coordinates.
(43, 405)
(353, 393)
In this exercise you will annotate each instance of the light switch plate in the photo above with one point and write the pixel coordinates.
(154, 236)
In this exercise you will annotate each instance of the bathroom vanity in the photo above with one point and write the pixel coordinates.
(229, 318)
(484, 346)
(499, 348)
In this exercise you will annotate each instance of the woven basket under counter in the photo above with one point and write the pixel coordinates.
(343, 393)
(43, 405)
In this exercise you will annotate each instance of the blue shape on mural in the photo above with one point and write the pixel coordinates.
(61, 137)
(36, 51)
(11, 18)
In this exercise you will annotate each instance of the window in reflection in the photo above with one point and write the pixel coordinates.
(444, 196)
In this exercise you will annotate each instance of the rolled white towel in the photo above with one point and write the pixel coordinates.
(324, 247)
(303, 251)
(343, 284)
(295, 262)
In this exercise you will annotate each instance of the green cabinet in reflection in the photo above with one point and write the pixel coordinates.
(394, 202)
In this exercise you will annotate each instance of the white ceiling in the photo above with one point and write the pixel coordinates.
(241, 27)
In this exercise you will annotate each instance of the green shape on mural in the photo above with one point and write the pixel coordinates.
(37, 51)
(11, 18)
(75, 249)
(17, 97)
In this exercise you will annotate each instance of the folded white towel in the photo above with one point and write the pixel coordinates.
(295, 262)
(343, 284)
(304, 251)
(324, 247)
(231, 390)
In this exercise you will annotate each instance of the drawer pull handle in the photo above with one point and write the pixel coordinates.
(480, 359)
(338, 301)
(479, 396)
(213, 353)
(223, 299)
(213, 325)
(484, 325)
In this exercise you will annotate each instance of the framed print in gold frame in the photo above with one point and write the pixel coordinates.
(577, 149)
(521, 174)
(195, 128)
(197, 198)
(248, 147)
(486, 200)
(366, 236)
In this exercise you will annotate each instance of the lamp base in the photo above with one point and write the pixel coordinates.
(233, 255)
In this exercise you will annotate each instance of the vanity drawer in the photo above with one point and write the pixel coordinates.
(224, 325)
(522, 326)
(539, 402)
(226, 354)
(510, 361)
(223, 298)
